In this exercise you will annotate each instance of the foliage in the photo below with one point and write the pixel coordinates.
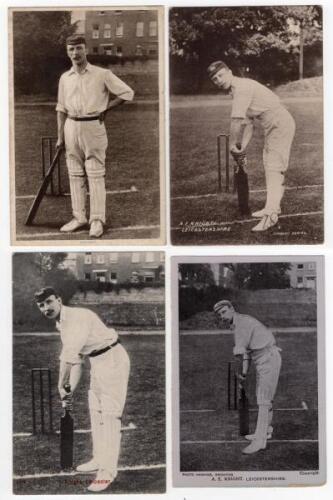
(98, 287)
(38, 40)
(247, 38)
(256, 276)
(31, 271)
(196, 274)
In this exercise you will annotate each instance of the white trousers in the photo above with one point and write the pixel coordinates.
(279, 130)
(86, 144)
(107, 396)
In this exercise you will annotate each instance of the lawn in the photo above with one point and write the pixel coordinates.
(143, 445)
(132, 159)
(194, 128)
(203, 386)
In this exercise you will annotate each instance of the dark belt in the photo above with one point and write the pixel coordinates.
(93, 354)
(83, 118)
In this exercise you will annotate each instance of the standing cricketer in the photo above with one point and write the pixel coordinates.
(254, 343)
(254, 103)
(84, 335)
(85, 94)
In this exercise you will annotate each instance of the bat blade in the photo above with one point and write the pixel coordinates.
(243, 412)
(66, 441)
(242, 184)
(42, 190)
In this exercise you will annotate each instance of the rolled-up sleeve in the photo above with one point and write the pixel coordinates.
(61, 97)
(117, 87)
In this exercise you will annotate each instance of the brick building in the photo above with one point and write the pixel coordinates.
(118, 267)
(303, 275)
(121, 32)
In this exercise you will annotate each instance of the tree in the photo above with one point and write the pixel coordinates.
(257, 276)
(32, 271)
(196, 274)
(38, 42)
(246, 38)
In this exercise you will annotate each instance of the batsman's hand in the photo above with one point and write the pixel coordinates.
(60, 144)
(66, 399)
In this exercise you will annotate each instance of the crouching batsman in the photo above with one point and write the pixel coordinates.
(84, 335)
(255, 343)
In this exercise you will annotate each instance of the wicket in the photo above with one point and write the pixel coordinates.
(41, 375)
(220, 138)
(47, 153)
(232, 387)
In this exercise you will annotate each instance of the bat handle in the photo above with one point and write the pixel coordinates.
(67, 387)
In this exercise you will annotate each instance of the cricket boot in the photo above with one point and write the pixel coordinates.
(91, 466)
(102, 481)
(270, 213)
(251, 437)
(255, 446)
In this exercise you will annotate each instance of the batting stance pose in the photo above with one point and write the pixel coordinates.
(84, 97)
(254, 342)
(84, 335)
(254, 103)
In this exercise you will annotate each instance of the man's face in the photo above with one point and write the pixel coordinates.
(77, 53)
(226, 314)
(222, 79)
(50, 307)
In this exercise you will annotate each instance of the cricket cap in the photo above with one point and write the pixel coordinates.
(222, 303)
(44, 293)
(215, 67)
(75, 40)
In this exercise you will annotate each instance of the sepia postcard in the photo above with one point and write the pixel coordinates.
(88, 373)
(246, 125)
(248, 355)
(87, 125)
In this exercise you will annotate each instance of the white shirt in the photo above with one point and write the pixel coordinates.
(251, 98)
(82, 332)
(87, 93)
(250, 334)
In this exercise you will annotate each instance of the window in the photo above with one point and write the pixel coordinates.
(101, 13)
(95, 50)
(113, 257)
(150, 257)
(152, 52)
(139, 50)
(152, 28)
(100, 258)
(119, 51)
(107, 30)
(108, 50)
(95, 31)
(113, 276)
(300, 266)
(88, 258)
(149, 279)
(139, 28)
(312, 266)
(310, 282)
(120, 29)
(299, 282)
(87, 276)
(100, 276)
(135, 257)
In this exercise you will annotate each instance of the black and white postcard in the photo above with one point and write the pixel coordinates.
(87, 125)
(88, 373)
(248, 371)
(246, 125)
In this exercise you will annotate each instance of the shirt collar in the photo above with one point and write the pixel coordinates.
(87, 69)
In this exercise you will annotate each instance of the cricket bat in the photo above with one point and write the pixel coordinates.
(66, 437)
(43, 188)
(242, 186)
(243, 412)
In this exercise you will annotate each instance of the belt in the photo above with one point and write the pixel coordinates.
(93, 354)
(83, 118)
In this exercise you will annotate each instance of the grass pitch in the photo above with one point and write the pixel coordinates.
(132, 160)
(195, 125)
(209, 432)
(142, 446)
